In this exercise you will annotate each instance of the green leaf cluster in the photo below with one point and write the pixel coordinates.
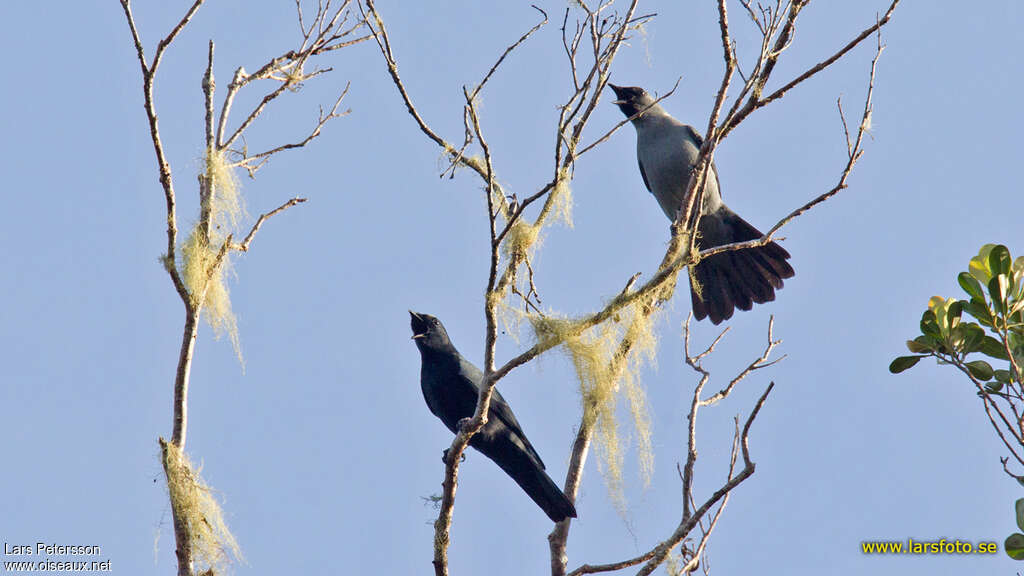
(1014, 544)
(989, 322)
(971, 334)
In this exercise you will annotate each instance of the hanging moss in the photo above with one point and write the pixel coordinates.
(606, 376)
(561, 198)
(509, 318)
(226, 206)
(213, 545)
(520, 241)
(199, 253)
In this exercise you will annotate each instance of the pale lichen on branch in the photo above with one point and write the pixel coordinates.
(199, 274)
(601, 357)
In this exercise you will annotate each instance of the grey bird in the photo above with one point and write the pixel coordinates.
(451, 385)
(667, 150)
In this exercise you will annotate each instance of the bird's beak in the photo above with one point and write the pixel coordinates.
(618, 94)
(416, 317)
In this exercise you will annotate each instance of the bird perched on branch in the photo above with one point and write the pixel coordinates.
(667, 151)
(451, 385)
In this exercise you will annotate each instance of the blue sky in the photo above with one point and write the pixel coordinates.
(323, 448)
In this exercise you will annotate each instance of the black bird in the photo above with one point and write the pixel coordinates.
(450, 386)
(667, 151)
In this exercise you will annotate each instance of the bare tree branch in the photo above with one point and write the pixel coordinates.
(692, 519)
(604, 137)
(757, 364)
(206, 183)
(559, 536)
(989, 403)
(288, 71)
(244, 246)
(687, 218)
(287, 68)
(606, 34)
(757, 102)
(854, 154)
(380, 34)
(248, 159)
(613, 566)
(148, 73)
(686, 526)
(509, 50)
(595, 39)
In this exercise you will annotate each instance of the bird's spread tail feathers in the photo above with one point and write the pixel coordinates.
(735, 279)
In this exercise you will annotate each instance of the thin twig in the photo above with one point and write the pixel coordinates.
(853, 156)
(604, 137)
(754, 104)
(688, 217)
(244, 246)
(164, 167)
(163, 44)
(322, 120)
(206, 183)
(513, 46)
(757, 364)
(657, 555)
(692, 515)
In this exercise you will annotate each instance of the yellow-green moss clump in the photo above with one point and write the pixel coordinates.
(607, 357)
(207, 283)
(517, 249)
(520, 241)
(213, 545)
(561, 198)
(226, 207)
(507, 316)
(294, 77)
(606, 375)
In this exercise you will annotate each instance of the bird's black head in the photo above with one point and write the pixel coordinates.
(428, 332)
(631, 99)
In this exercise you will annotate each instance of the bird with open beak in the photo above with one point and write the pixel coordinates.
(451, 386)
(667, 151)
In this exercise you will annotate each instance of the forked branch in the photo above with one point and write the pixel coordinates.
(713, 505)
(327, 32)
(590, 47)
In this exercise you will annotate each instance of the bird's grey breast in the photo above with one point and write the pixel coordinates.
(666, 153)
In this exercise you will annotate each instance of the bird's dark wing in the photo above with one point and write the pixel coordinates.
(449, 395)
(698, 140)
(499, 409)
(644, 176)
(718, 185)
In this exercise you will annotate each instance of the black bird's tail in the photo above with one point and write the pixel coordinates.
(736, 279)
(531, 477)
